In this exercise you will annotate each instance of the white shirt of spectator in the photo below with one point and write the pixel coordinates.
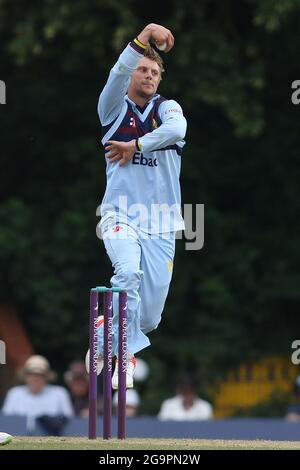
(53, 400)
(172, 409)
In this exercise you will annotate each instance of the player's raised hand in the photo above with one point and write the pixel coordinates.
(159, 35)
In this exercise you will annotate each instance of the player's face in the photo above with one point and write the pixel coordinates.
(145, 79)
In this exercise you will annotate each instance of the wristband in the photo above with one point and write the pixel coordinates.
(139, 43)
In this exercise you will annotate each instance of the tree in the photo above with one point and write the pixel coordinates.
(231, 69)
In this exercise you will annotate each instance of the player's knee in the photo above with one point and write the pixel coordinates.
(149, 324)
(131, 277)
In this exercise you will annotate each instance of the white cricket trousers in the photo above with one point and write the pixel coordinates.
(143, 267)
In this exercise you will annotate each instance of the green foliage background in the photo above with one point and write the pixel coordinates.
(231, 70)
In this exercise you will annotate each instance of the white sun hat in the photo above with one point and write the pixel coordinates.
(37, 364)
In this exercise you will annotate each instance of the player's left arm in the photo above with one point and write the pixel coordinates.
(171, 131)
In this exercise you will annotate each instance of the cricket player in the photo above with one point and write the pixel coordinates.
(142, 135)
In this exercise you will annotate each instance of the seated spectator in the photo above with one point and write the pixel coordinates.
(186, 405)
(293, 411)
(132, 402)
(48, 405)
(77, 381)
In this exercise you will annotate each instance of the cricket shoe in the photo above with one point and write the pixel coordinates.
(100, 323)
(131, 365)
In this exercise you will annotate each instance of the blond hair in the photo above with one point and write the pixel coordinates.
(151, 54)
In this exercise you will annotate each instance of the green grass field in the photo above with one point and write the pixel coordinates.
(76, 443)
